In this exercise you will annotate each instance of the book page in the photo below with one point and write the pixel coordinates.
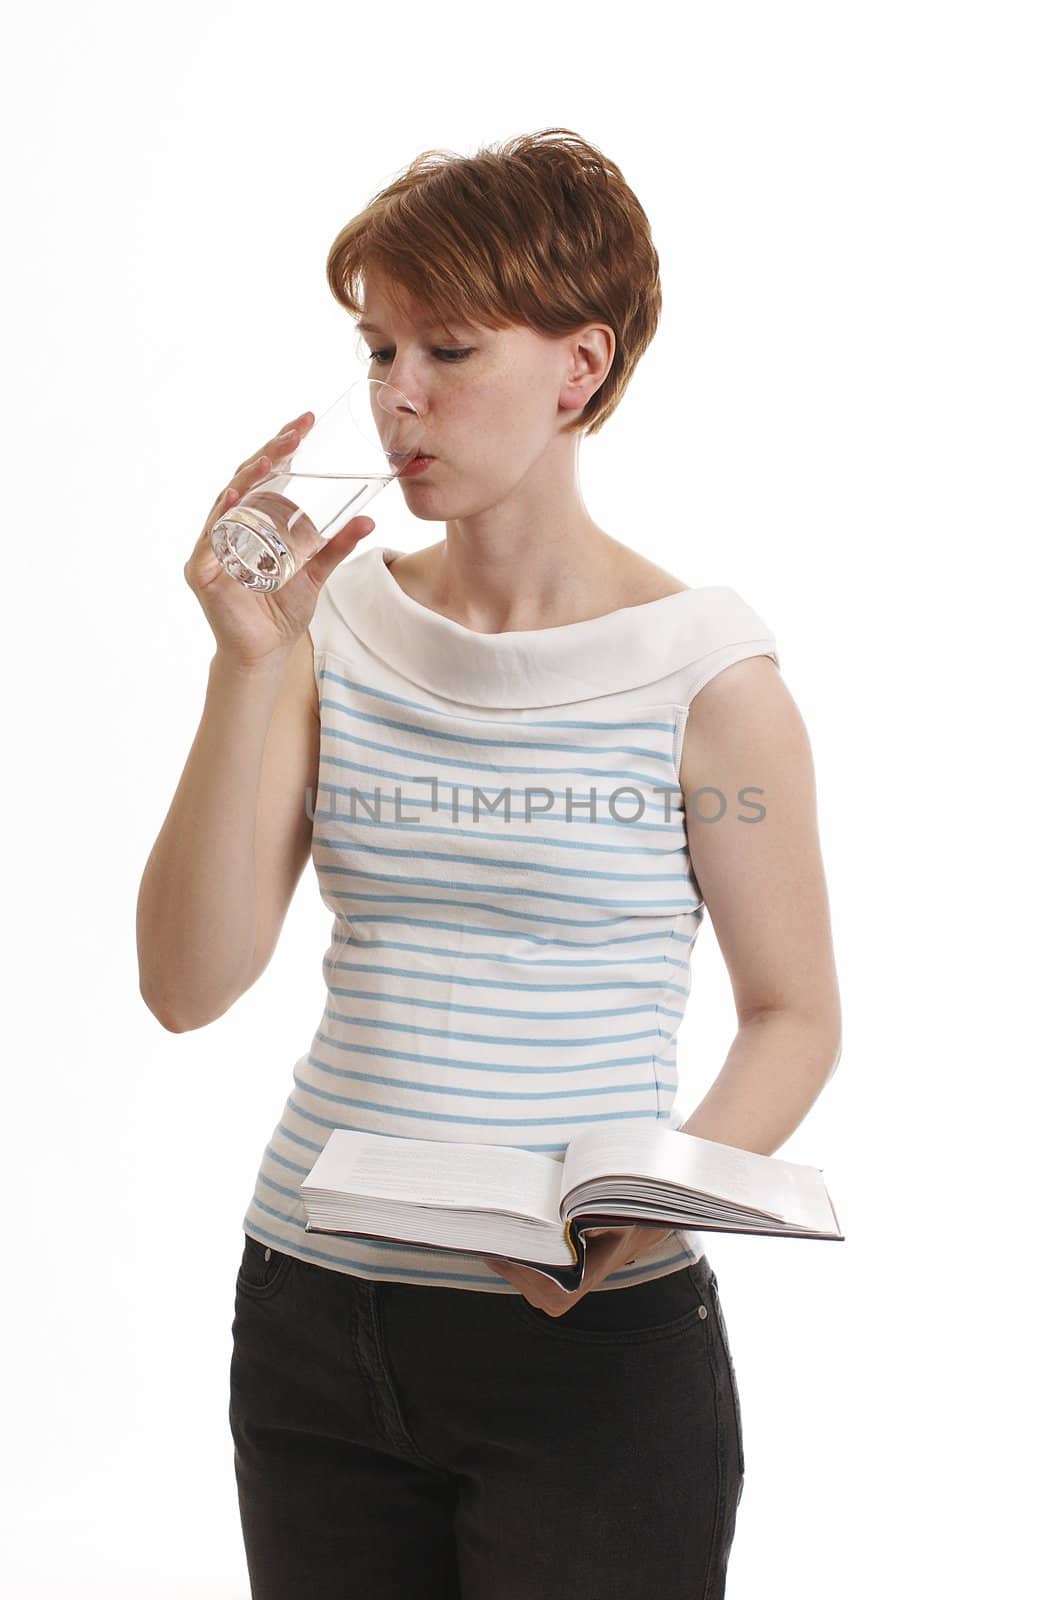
(437, 1172)
(666, 1156)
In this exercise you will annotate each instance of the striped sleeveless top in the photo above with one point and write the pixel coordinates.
(499, 834)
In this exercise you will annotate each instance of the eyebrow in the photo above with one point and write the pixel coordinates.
(371, 327)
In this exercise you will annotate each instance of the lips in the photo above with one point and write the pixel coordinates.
(417, 464)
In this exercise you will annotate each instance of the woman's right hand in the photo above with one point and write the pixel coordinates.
(252, 627)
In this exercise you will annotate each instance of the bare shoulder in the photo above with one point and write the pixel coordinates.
(749, 787)
(745, 711)
(640, 579)
(413, 571)
(653, 582)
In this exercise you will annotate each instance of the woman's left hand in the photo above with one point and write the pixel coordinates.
(607, 1249)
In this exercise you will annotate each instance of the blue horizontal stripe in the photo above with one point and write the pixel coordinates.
(632, 907)
(466, 905)
(346, 938)
(419, 1087)
(355, 1127)
(477, 1122)
(615, 776)
(624, 981)
(517, 746)
(297, 1167)
(579, 801)
(534, 1043)
(499, 933)
(451, 716)
(427, 1003)
(454, 1064)
(358, 814)
(514, 864)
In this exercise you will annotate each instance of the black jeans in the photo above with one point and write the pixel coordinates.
(399, 1441)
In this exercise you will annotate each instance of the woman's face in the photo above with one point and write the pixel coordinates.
(491, 402)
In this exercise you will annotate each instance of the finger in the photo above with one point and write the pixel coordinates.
(304, 419)
(324, 561)
(504, 1270)
(283, 444)
(245, 476)
(284, 441)
(238, 486)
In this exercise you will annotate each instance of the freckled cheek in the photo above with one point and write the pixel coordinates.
(490, 423)
(480, 433)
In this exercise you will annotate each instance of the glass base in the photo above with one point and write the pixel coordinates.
(250, 548)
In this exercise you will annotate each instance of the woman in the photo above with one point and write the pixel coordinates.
(572, 753)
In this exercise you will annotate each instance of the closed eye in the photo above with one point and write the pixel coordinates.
(446, 355)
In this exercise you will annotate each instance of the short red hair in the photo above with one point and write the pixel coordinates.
(541, 230)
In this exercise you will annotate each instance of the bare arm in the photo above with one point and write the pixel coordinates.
(764, 889)
(222, 872)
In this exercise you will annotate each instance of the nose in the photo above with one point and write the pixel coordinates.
(402, 373)
(397, 414)
(395, 402)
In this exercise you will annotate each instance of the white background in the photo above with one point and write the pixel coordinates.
(851, 414)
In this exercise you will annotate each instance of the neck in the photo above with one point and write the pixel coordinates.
(501, 583)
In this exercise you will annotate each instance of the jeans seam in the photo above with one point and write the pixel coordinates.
(710, 1572)
(400, 1433)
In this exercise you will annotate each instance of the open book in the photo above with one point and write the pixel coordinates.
(498, 1200)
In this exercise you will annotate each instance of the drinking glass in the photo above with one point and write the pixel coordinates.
(354, 450)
